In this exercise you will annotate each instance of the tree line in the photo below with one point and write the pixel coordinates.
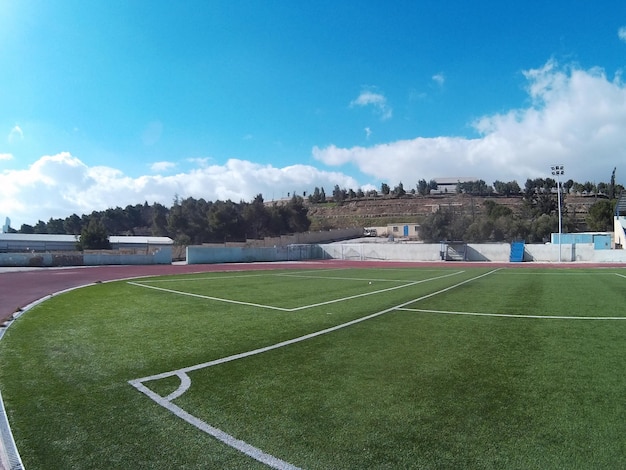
(195, 221)
(474, 188)
(187, 221)
(537, 219)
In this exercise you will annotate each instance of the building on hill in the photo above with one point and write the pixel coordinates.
(448, 185)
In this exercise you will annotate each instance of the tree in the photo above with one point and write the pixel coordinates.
(611, 192)
(600, 216)
(316, 197)
(506, 189)
(55, 226)
(495, 210)
(40, 227)
(339, 194)
(384, 189)
(475, 188)
(399, 191)
(159, 220)
(257, 218)
(73, 225)
(226, 222)
(94, 236)
(294, 216)
(423, 188)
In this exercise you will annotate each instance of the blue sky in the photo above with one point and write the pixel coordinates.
(110, 103)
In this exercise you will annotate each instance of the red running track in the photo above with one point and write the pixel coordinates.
(21, 287)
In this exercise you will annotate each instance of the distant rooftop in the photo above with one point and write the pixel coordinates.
(455, 180)
(37, 237)
(49, 238)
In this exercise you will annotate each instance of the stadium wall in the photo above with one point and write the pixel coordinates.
(211, 254)
(394, 251)
(162, 255)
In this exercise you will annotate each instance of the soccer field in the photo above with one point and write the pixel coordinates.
(392, 368)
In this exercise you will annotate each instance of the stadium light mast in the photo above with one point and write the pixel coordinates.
(558, 170)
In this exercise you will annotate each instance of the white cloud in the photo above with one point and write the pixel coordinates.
(201, 162)
(621, 33)
(59, 185)
(378, 101)
(576, 117)
(439, 78)
(368, 132)
(15, 134)
(158, 167)
(6, 156)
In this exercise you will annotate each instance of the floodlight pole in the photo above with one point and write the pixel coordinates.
(558, 170)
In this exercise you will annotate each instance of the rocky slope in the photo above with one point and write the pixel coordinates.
(381, 211)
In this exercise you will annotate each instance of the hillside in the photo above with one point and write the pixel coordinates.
(381, 211)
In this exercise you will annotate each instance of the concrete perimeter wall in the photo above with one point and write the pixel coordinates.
(95, 258)
(399, 252)
(210, 254)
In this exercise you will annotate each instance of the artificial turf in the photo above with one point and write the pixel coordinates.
(412, 388)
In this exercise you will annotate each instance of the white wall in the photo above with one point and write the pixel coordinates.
(95, 258)
(394, 251)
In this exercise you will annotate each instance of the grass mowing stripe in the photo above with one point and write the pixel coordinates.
(379, 291)
(231, 441)
(300, 276)
(311, 335)
(401, 391)
(208, 297)
(303, 307)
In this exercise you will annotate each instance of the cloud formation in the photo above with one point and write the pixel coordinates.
(575, 117)
(56, 186)
(378, 101)
(158, 167)
(621, 33)
(15, 135)
(439, 78)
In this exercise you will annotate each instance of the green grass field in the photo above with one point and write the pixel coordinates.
(325, 369)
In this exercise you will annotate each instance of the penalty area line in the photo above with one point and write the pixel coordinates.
(507, 315)
(226, 438)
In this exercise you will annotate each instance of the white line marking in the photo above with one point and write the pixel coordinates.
(227, 439)
(294, 309)
(185, 383)
(208, 297)
(220, 435)
(509, 315)
(204, 278)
